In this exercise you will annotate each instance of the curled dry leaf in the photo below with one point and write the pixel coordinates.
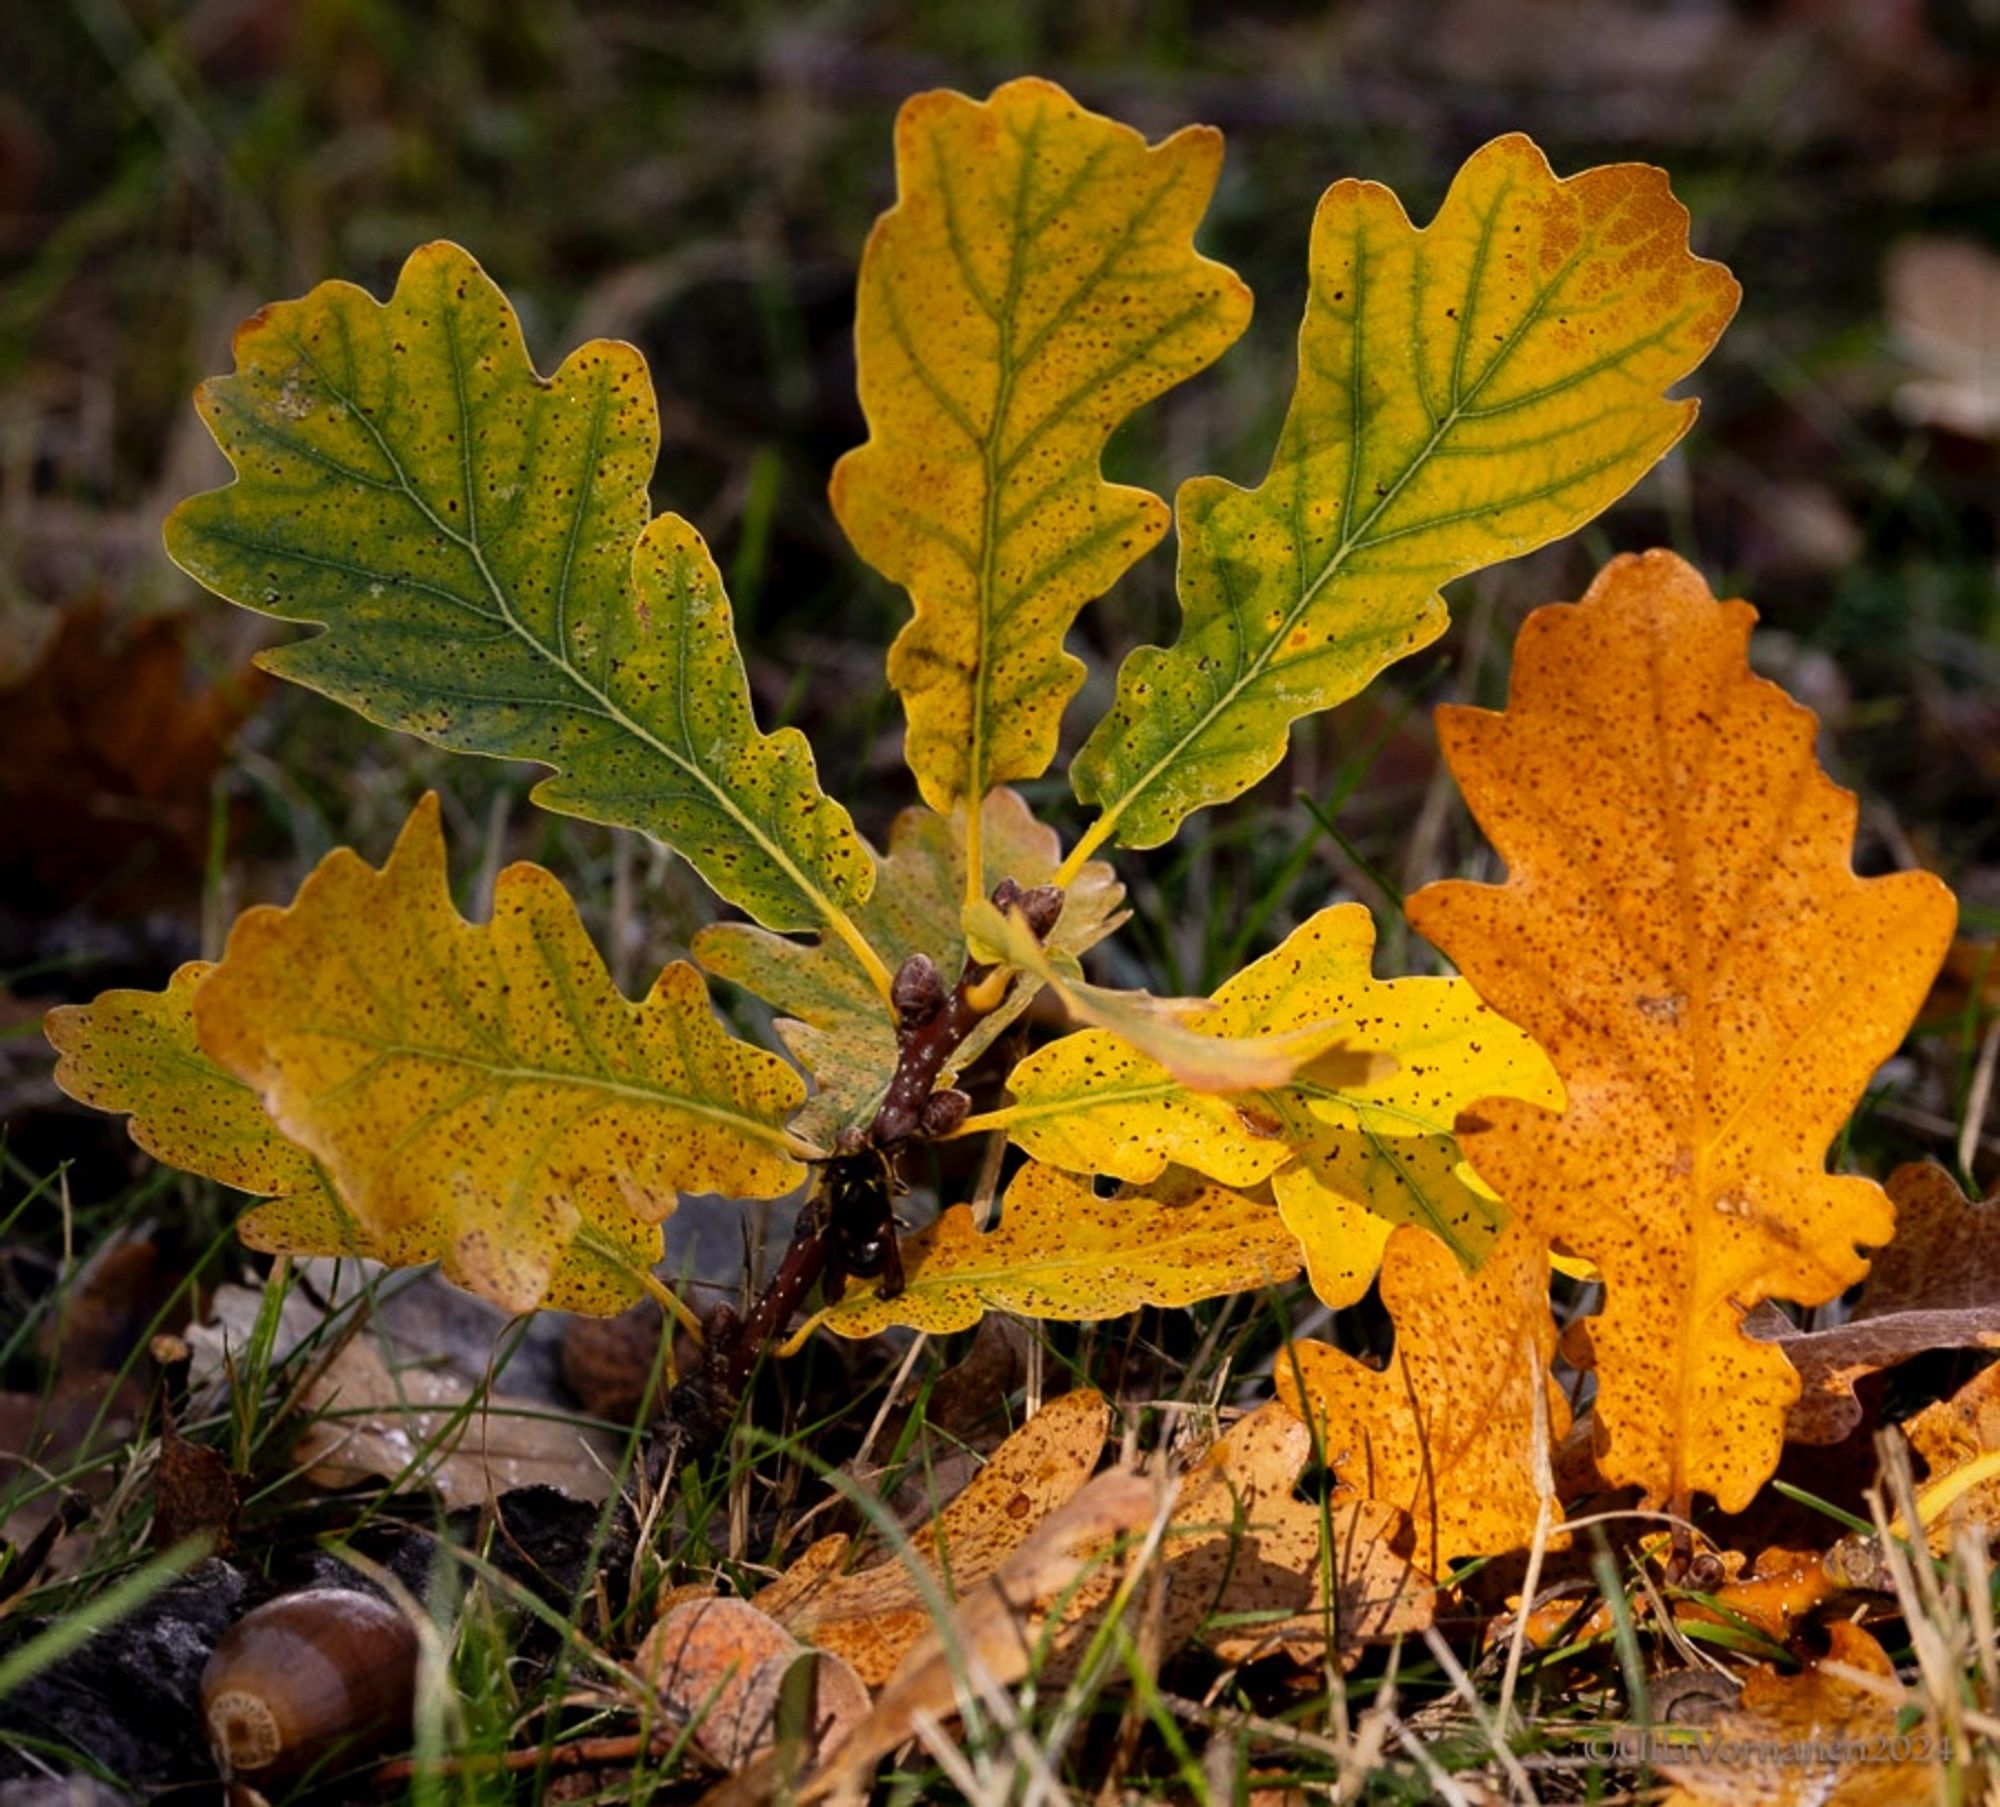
(1060, 1251)
(1959, 1440)
(1799, 1740)
(1447, 1432)
(1248, 1567)
(997, 1628)
(1935, 1286)
(872, 1616)
(720, 1666)
(482, 1094)
(1253, 1570)
(1682, 931)
(1830, 1361)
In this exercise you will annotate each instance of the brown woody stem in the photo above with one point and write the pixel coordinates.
(932, 1025)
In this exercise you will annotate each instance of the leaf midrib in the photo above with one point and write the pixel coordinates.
(469, 544)
(499, 1073)
(1356, 540)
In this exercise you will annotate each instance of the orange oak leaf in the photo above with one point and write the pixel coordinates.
(1959, 1440)
(871, 1617)
(1255, 1570)
(1447, 1431)
(1683, 933)
(1824, 1736)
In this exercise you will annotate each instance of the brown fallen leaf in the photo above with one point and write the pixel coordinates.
(195, 1494)
(1934, 1285)
(720, 1666)
(1830, 1361)
(996, 1628)
(1945, 1255)
(1820, 1737)
(1446, 1431)
(94, 795)
(1944, 310)
(410, 1426)
(1249, 1563)
(872, 1617)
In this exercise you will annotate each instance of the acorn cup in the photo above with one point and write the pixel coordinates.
(329, 1674)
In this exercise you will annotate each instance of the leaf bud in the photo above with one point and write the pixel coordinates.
(944, 1110)
(918, 991)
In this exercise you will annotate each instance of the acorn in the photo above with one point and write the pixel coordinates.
(329, 1673)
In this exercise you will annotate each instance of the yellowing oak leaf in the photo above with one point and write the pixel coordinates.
(1466, 393)
(1060, 1251)
(135, 1051)
(482, 1095)
(474, 539)
(1349, 1155)
(1683, 933)
(834, 1020)
(1035, 283)
(1447, 1431)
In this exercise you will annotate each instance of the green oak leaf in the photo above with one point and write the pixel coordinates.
(1466, 393)
(473, 538)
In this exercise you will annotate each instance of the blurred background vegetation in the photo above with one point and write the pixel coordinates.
(700, 178)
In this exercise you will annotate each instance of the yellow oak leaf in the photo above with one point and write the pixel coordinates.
(835, 1021)
(1060, 1251)
(1466, 393)
(482, 1095)
(1035, 283)
(1348, 1156)
(1682, 931)
(135, 1051)
(1447, 1430)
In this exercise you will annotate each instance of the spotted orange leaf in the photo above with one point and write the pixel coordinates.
(1447, 1431)
(1682, 932)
